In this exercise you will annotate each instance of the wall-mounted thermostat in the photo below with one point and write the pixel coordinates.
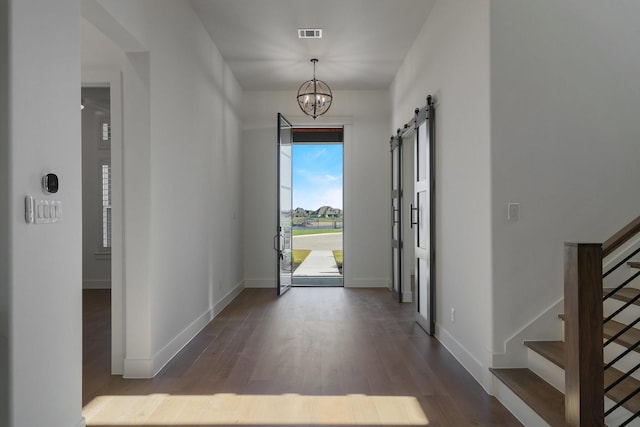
(50, 183)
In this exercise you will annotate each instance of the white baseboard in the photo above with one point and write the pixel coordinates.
(407, 296)
(96, 284)
(138, 368)
(226, 300)
(468, 361)
(161, 358)
(367, 283)
(169, 351)
(149, 368)
(81, 423)
(260, 283)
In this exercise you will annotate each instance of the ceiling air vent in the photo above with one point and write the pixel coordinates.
(309, 33)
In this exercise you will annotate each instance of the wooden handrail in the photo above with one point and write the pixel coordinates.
(622, 236)
(584, 374)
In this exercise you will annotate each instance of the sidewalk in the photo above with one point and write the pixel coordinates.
(319, 263)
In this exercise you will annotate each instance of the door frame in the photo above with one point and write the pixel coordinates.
(346, 122)
(320, 142)
(113, 80)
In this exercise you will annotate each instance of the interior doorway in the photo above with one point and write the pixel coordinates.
(96, 187)
(318, 214)
(95, 104)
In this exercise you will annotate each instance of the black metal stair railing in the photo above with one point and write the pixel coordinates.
(616, 336)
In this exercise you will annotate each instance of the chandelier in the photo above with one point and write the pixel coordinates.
(314, 96)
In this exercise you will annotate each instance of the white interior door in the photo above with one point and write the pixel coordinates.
(422, 219)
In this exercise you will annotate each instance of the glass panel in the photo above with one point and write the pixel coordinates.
(422, 153)
(396, 270)
(285, 167)
(395, 213)
(423, 219)
(422, 273)
(285, 202)
(394, 173)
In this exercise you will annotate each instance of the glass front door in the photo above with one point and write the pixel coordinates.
(282, 239)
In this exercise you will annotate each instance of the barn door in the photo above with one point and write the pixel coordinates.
(422, 217)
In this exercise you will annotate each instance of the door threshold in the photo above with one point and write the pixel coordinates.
(317, 281)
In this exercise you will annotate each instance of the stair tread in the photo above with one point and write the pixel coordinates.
(622, 390)
(554, 351)
(624, 294)
(612, 327)
(634, 264)
(627, 339)
(543, 398)
(550, 350)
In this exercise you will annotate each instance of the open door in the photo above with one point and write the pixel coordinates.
(282, 240)
(422, 216)
(396, 218)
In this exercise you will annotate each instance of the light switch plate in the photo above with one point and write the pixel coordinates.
(47, 211)
(513, 211)
(29, 206)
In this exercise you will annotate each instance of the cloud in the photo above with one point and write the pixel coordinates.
(307, 177)
(315, 154)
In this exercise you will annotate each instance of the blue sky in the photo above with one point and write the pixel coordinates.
(317, 176)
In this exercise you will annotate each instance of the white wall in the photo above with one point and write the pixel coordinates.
(450, 59)
(98, 52)
(42, 263)
(5, 217)
(366, 182)
(183, 182)
(565, 134)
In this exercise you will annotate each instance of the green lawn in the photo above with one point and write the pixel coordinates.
(298, 255)
(298, 232)
(338, 254)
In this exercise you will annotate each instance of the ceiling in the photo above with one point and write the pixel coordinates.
(363, 46)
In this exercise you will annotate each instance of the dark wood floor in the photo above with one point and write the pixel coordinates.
(335, 345)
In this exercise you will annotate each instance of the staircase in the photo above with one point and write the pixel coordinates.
(535, 394)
